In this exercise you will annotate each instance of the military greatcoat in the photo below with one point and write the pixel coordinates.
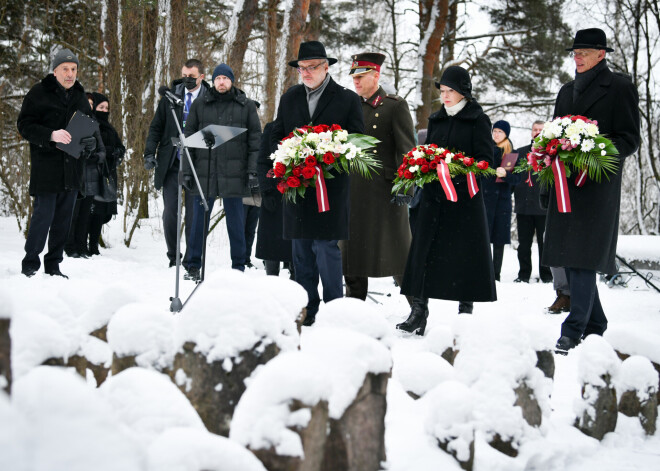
(379, 230)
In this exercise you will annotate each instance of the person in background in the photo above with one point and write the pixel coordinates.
(497, 195)
(449, 257)
(251, 210)
(560, 284)
(56, 177)
(163, 157)
(530, 217)
(102, 211)
(379, 235)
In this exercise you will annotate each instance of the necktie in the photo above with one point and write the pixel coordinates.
(186, 110)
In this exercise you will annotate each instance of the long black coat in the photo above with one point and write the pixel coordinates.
(163, 128)
(232, 161)
(337, 105)
(450, 253)
(586, 237)
(526, 198)
(497, 199)
(270, 245)
(114, 149)
(45, 109)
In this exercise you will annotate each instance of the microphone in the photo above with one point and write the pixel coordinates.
(167, 93)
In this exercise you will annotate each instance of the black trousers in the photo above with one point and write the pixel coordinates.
(273, 268)
(586, 316)
(314, 259)
(82, 212)
(527, 226)
(250, 221)
(51, 219)
(170, 201)
(498, 256)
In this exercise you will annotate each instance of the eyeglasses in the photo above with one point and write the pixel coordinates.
(580, 54)
(309, 69)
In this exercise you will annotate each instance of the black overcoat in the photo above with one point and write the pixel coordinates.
(450, 255)
(337, 105)
(379, 230)
(163, 128)
(526, 198)
(45, 109)
(114, 148)
(497, 199)
(232, 161)
(270, 245)
(586, 237)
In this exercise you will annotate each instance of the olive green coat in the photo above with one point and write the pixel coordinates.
(379, 230)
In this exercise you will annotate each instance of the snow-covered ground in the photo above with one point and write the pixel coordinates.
(50, 314)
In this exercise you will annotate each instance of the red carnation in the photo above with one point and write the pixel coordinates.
(310, 160)
(281, 187)
(308, 172)
(410, 154)
(482, 165)
(279, 170)
(293, 182)
(420, 161)
(437, 159)
(434, 146)
(335, 127)
(405, 160)
(408, 175)
(429, 151)
(400, 173)
(318, 129)
(425, 169)
(329, 158)
(468, 161)
(296, 171)
(433, 165)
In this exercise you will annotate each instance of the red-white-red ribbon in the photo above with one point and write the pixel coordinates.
(561, 186)
(581, 178)
(445, 181)
(321, 191)
(529, 179)
(473, 189)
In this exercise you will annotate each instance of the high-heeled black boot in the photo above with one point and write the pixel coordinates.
(465, 307)
(416, 322)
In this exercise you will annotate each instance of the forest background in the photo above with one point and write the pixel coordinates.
(513, 49)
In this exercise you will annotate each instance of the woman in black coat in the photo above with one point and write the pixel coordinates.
(102, 211)
(449, 256)
(497, 195)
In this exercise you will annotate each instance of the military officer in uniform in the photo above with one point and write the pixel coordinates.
(379, 230)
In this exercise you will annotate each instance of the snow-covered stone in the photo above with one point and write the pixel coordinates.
(420, 372)
(356, 315)
(637, 387)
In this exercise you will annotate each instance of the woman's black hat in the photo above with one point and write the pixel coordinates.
(458, 79)
(592, 38)
(312, 50)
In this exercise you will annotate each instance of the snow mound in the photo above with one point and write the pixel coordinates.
(439, 339)
(70, 425)
(597, 359)
(346, 358)
(185, 449)
(262, 417)
(356, 315)
(6, 306)
(637, 374)
(634, 341)
(148, 403)
(105, 303)
(420, 372)
(15, 438)
(225, 316)
(145, 331)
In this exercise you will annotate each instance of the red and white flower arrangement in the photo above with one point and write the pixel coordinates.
(428, 163)
(307, 155)
(567, 144)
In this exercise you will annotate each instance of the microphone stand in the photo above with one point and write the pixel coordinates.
(176, 305)
(209, 140)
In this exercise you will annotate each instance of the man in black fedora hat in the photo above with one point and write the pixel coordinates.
(584, 240)
(315, 235)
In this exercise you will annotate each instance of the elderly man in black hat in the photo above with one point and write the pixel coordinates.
(55, 175)
(315, 235)
(584, 240)
(379, 230)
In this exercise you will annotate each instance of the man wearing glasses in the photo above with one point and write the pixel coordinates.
(584, 240)
(315, 235)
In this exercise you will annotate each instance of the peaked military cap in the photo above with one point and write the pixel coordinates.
(366, 62)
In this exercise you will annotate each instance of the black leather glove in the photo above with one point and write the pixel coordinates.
(188, 182)
(544, 197)
(88, 145)
(118, 155)
(270, 200)
(401, 199)
(253, 181)
(150, 162)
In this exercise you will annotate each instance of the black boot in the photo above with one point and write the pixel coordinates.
(416, 322)
(465, 307)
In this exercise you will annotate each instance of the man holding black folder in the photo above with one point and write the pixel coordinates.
(55, 174)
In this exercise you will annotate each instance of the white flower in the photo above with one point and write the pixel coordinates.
(448, 158)
(592, 130)
(339, 149)
(602, 152)
(313, 137)
(418, 154)
(351, 153)
(414, 168)
(602, 146)
(587, 145)
(341, 136)
(566, 121)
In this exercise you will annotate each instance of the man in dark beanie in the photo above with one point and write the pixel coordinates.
(229, 172)
(584, 240)
(162, 156)
(315, 236)
(55, 176)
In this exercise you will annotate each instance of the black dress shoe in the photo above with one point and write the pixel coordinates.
(194, 274)
(56, 272)
(465, 307)
(309, 319)
(564, 344)
(29, 272)
(416, 322)
(521, 280)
